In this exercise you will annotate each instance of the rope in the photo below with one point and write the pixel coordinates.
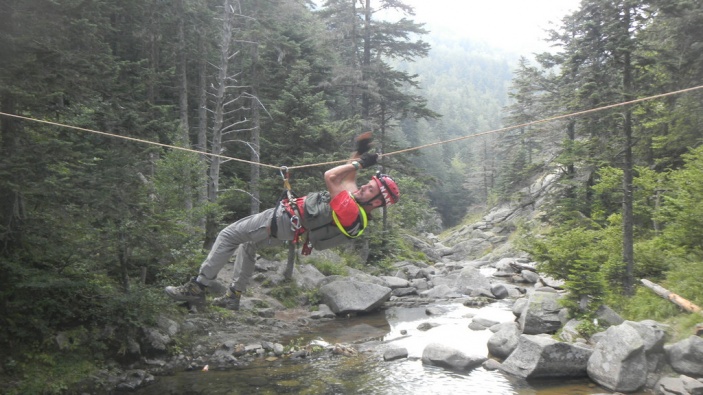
(551, 119)
(135, 139)
(572, 115)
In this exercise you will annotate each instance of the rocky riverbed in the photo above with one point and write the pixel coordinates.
(541, 342)
(627, 357)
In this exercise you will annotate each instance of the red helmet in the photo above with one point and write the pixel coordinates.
(388, 187)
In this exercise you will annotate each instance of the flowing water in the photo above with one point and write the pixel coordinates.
(367, 372)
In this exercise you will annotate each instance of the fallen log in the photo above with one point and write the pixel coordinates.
(672, 297)
(518, 267)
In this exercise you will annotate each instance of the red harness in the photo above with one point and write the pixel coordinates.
(296, 212)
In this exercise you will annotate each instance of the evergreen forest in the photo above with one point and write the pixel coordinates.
(132, 131)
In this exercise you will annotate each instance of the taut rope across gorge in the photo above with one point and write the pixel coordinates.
(545, 120)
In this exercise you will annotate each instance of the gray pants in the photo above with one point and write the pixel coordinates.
(249, 233)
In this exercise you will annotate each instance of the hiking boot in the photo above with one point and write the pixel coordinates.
(230, 300)
(192, 291)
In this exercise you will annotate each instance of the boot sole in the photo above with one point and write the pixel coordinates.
(183, 298)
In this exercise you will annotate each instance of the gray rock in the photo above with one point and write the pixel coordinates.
(278, 349)
(652, 334)
(491, 364)
(420, 284)
(530, 276)
(307, 276)
(134, 379)
(169, 326)
(444, 356)
(441, 292)
(426, 326)
(395, 353)
(353, 296)
(467, 249)
(551, 282)
(519, 306)
(323, 311)
(435, 310)
(670, 386)
(154, 340)
(693, 386)
(541, 315)
(394, 282)
(358, 275)
(471, 280)
(607, 316)
(500, 291)
(503, 342)
(484, 322)
(686, 356)
(569, 333)
(539, 356)
(400, 292)
(618, 361)
(426, 247)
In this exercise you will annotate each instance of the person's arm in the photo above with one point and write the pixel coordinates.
(341, 178)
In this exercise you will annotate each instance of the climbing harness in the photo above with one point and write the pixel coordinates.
(295, 207)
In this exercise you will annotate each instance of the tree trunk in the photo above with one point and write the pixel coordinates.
(220, 84)
(255, 170)
(202, 128)
(288, 273)
(627, 204)
(183, 104)
(672, 297)
(365, 97)
(11, 202)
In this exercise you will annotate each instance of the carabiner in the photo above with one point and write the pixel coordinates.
(295, 222)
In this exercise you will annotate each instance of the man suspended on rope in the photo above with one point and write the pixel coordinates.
(328, 219)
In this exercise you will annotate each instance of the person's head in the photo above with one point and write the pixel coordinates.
(381, 190)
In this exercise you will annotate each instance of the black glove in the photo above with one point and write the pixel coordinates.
(367, 160)
(363, 143)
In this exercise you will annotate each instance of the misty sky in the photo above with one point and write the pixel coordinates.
(516, 25)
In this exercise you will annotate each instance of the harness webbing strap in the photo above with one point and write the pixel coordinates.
(357, 228)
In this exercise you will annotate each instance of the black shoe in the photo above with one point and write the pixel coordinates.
(230, 300)
(192, 291)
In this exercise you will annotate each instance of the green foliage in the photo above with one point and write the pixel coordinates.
(287, 293)
(645, 304)
(588, 328)
(47, 373)
(328, 268)
(577, 256)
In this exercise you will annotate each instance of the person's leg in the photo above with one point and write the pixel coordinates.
(245, 262)
(251, 229)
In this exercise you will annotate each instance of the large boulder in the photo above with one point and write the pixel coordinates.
(504, 341)
(447, 357)
(653, 337)
(470, 281)
(540, 356)
(467, 249)
(540, 314)
(607, 316)
(682, 385)
(307, 276)
(619, 362)
(686, 356)
(393, 282)
(349, 296)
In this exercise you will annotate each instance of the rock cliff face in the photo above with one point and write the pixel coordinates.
(489, 238)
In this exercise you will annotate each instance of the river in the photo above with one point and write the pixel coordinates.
(367, 372)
